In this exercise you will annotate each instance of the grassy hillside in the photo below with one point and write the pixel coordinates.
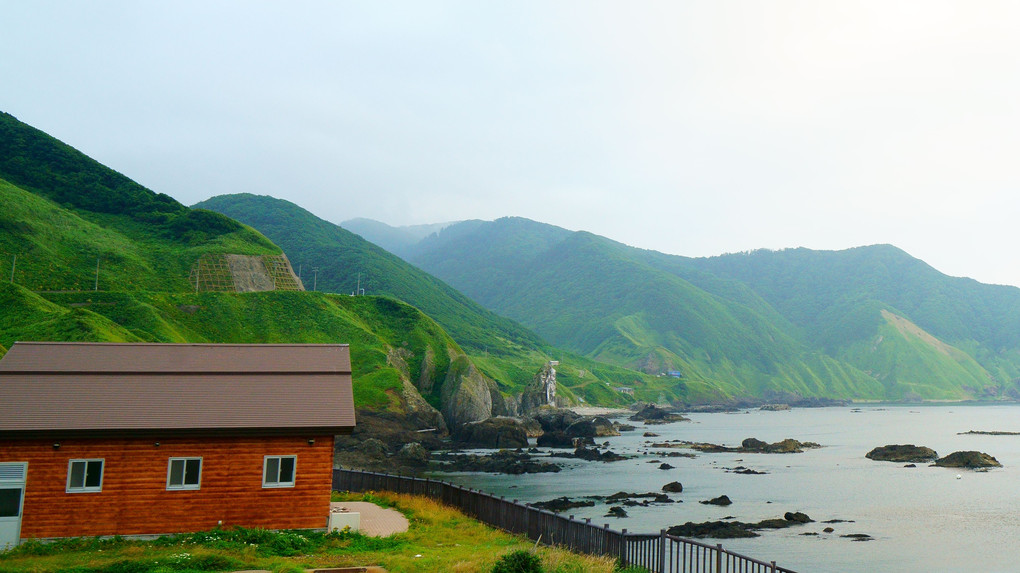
(90, 255)
(595, 297)
(818, 290)
(341, 256)
(373, 326)
(63, 212)
(798, 322)
(501, 348)
(50, 247)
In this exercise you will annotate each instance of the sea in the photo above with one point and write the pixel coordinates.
(923, 518)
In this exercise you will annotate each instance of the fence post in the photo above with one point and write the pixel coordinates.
(662, 551)
(718, 557)
(623, 547)
(773, 567)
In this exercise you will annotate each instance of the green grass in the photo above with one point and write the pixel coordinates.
(913, 367)
(788, 323)
(342, 257)
(438, 539)
(373, 326)
(47, 247)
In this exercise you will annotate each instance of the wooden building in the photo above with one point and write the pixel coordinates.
(144, 439)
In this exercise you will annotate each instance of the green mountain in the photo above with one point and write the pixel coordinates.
(374, 326)
(397, 240)
(856, 299)
(64, 216)
(870, 323)
(333, 259)
(89, 255)
(504, 350)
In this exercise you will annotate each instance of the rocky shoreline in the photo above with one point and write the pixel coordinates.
(564, 434)
(503, 445)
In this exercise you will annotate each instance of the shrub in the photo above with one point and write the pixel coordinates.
(519, 561)
(215, 563)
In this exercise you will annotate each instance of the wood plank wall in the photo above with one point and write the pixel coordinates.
(134, 499)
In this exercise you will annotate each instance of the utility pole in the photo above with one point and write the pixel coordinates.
(14, 264)
(357, 291)
(315, 280)
(97, 275)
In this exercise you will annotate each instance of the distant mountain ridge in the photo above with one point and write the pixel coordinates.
(503, 349)
(93, 256)
(865, 323)
(397, 240)
(345, 262)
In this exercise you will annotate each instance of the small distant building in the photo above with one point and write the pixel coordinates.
(675, 374)
(145, 439)
(624, 390)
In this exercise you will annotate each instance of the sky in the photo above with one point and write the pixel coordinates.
(693, 128)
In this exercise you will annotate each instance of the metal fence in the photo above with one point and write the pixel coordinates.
(660, 553)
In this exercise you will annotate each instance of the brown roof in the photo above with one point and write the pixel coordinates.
(48, 388)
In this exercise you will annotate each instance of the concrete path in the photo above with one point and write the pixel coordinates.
(375, 521)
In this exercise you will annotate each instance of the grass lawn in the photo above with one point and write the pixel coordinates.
(439, 539)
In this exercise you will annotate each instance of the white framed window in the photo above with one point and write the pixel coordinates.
(84, 475)
(278, 471)
(184, 473)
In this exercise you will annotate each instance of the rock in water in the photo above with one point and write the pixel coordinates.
(555, 419)
(713, 529)
(503, 461)
(556, 439)
(595, 427)
(721, 500)
(734, 529)
(902, 453)
(673, 487)
(616, 511)
(968, 459)
(652, 414)
(562, 504)
(753, 445)
(374, 447)
(593, 455)
(493, 433)
(414, 454)
(797, 517)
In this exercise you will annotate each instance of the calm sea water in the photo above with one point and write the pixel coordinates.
(921, 519)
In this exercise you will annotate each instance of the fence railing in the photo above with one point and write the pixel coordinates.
(660, 553)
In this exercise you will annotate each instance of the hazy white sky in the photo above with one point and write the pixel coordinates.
(693, 128)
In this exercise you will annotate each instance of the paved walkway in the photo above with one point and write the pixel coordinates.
(375, 521)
